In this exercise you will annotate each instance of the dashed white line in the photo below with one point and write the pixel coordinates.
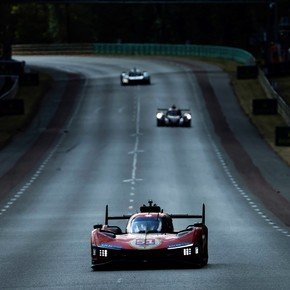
(135, 151)
(243, 193)
(42, 166)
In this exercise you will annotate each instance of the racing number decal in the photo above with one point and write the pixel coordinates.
(141, 242)
(145, 243)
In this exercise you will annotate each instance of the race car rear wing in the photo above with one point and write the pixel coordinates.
(107, 217)
(188, 216)
(155, 208)
(163, 110)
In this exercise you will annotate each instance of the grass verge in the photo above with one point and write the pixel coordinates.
(32, 96)
(246, 91)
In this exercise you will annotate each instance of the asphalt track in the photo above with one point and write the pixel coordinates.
(96, 143)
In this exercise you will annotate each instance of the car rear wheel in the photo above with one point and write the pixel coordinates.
(204, 259)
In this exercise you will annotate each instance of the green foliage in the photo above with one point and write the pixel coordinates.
(230, 25)
(30, 23)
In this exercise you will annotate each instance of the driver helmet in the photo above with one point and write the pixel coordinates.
(154, 226)
(138, 227)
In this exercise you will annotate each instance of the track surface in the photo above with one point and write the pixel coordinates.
(58, 176)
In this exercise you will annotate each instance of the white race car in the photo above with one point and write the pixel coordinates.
(135, 77)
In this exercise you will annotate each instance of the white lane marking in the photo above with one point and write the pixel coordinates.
(120, 110)
(135, 152)
(226, 169)
(243, 194)
(136, 149)
(42, 166)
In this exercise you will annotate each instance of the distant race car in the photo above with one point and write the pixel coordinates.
(135, 77)
(150, 238)
(173, 117)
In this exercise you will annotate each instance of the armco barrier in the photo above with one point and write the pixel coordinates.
(138, 49)
(54, 48)
(283, 108)
(13, 91)
(174, 49)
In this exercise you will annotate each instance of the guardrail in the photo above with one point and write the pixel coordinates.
(237, 54)
(53, 48)
(283, 108)
(11, 93)
(176, 50)
(228, 53)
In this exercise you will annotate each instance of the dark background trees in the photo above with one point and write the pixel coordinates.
(238, 25)
(162, 23)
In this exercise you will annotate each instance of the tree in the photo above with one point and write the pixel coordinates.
(229, 25)
(6, 30)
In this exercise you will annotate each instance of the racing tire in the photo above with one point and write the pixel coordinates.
(97, 267)
(204, 259)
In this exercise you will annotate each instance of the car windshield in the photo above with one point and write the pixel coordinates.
(145, 225)
(173, 113)
(135, 74)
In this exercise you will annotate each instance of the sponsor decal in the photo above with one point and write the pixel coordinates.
(108, 246)
(178, 245)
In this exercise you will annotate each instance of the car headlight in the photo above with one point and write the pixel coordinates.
(99, 252)
(94, 252)
(103, 253)
(159, 115)
(187, 252)
(188, 116)
(125, 80)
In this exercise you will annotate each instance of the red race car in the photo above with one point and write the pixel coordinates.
(150, 237)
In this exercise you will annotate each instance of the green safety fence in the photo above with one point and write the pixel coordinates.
(228, 53)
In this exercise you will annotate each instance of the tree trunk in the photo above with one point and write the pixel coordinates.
(5, 27)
